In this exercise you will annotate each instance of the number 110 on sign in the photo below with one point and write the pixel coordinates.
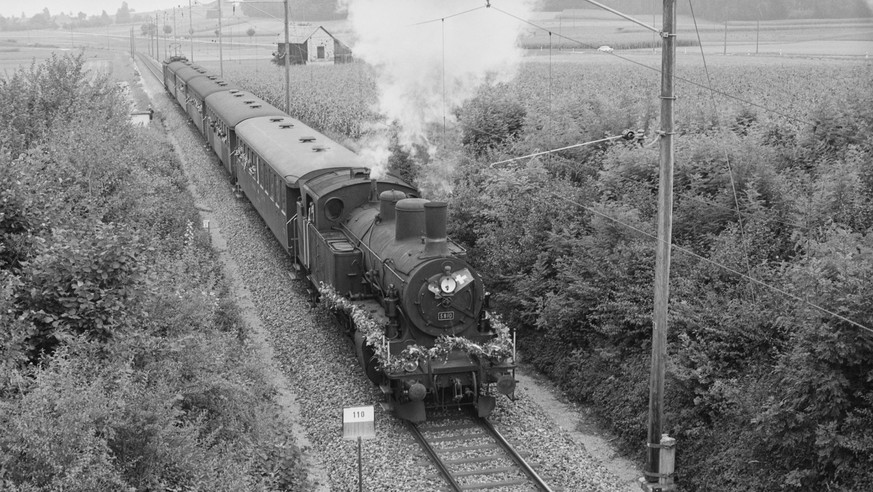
(359, 422)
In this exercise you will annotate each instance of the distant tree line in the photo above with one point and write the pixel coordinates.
(718, 10)
(298, 10)
(45, 20)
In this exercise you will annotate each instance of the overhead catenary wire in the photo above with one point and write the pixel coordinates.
(680, 248)
(727, 158)
(545, 152)
(796, 119)
(443, 18)
(707, 260)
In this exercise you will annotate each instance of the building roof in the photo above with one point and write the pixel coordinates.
(300, 33)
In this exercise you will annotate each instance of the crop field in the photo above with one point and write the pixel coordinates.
(587, 29)
(337, 99)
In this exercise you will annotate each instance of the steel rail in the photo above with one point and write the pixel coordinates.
(525, 467)
(435, 459)
(151, 65)
(498, 439)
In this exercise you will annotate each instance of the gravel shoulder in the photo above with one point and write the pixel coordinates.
(576, 421)
(317, 372)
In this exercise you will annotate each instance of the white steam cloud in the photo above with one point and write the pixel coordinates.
(425, 69)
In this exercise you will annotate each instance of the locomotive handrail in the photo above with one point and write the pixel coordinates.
(367, 247)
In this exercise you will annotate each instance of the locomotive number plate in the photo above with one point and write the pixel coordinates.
(446, 315)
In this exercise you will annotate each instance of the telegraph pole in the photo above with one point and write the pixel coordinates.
(287, 63)
(175, 34)
(157, 37)
(191, 30)
(662, 257)
(220, 49)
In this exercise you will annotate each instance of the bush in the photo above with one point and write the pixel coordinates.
(123, 365)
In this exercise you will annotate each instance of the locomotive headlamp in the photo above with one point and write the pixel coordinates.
(448, 284)
(410, 366)
(447, 281)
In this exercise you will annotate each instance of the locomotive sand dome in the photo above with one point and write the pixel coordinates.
(368, 246)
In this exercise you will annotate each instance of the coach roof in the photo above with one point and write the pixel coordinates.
(204, 86)
(187, 73)
(234, 106)
(293, 149)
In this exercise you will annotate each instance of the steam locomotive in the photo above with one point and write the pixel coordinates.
(374, 251)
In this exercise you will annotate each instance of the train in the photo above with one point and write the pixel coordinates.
(373, 250)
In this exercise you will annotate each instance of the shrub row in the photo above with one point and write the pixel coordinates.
(123, 364)
(765, 391)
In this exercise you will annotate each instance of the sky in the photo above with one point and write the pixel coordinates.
(10, 8)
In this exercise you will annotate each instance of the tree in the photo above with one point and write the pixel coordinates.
(123, 14)
(168, 29)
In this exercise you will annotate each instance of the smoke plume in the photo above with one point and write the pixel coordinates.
(430, 56)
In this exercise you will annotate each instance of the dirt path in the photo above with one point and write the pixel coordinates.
(579, 425)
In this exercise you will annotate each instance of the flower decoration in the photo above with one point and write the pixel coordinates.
(493, 350)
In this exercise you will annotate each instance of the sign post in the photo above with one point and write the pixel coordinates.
(359, 424)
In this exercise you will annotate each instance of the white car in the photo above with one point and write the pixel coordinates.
(605, 49)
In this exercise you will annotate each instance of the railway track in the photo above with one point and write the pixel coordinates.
(152, 66)
(470, 454)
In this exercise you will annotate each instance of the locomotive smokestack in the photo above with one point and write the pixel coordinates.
(374, 194)
(387, 201)
(435, 242)
(410, 218)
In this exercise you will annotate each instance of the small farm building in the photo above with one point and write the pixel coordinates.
(311, 44)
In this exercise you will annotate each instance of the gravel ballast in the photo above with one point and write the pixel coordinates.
(319, 362)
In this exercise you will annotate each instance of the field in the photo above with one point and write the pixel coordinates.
(575, 33)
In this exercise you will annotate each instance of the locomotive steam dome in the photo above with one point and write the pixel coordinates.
(387, 203)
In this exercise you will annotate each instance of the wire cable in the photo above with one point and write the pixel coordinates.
(658, 70)
(445, 17)
(727, 159)
(607, 139)
(706, 260)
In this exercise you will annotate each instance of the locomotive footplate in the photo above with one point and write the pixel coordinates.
(458, 380)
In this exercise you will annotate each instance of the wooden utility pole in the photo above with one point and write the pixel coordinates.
(757, 34)
(191, 30)
(157, 37)
(662, 257)
(220, 49)
(175, 34)
(287, 62)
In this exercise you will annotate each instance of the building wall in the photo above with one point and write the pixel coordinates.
(320, 43)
